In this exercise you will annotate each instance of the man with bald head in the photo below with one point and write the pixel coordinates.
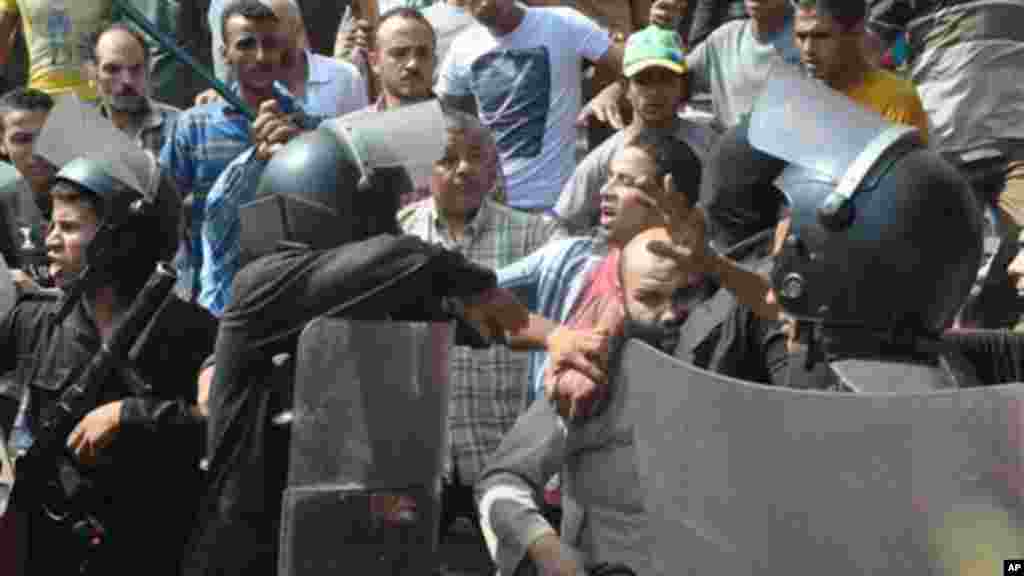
(594, 457)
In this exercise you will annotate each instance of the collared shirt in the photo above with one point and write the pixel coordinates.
(549, 282)
(201, 143)
(333, 87)
(487, 386)
(152, 130)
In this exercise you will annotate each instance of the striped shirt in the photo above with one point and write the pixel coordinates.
(487, 386)
(199, 146)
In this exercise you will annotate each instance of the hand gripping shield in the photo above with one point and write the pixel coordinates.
(747, 479)
(367, 446)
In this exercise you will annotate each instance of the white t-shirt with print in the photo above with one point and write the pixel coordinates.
(527, 90)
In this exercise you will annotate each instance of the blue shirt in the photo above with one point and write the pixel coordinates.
(200, 145)
(549, 281)
(219, 235)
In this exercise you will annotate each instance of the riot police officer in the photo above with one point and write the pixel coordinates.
(320, 238)
(881, 250)
(132, 460)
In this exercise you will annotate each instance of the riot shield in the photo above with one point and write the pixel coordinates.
(367, 445)
(747, 479)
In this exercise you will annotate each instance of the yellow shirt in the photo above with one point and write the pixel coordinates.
(894, 98)
(56, 32)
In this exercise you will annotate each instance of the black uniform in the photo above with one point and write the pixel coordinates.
(145, 485)
(385, 277)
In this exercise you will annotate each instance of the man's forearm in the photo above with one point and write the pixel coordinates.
(749, 287)
(534, 336)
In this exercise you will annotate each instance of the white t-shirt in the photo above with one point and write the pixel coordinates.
(333, 87)
(448, 22)
(527, 90)
(734, 65)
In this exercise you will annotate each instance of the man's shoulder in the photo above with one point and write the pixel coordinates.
(888, 94)
(899, 88)
(474, 39)
(164, 109)
(570, 247)
(503, 215)
(331, 68)
(32, 306)
(204, 114)
(730, 30)
(9, 175)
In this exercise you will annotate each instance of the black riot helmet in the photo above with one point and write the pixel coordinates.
(136, 229)
(743, 199)
(884, 233)
(341, 182)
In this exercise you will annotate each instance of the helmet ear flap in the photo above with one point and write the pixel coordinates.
(912, 225)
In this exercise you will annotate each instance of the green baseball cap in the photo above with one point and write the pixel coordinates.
(653, 46)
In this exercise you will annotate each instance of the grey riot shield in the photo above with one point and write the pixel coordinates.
(367, 443)
(747, 479)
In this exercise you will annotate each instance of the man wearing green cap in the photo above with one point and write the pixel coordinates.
(654, 67)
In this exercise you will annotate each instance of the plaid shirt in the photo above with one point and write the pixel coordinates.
(487, 386)
(199, 146)
(152, 131)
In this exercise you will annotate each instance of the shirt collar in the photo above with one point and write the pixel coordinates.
(225, 108)
(155, 115)
(473, 227)
(316, 71)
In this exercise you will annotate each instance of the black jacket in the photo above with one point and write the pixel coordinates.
(146, 483)
(384, 278)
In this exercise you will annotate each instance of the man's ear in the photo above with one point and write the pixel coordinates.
(89, 72)
(372, 58)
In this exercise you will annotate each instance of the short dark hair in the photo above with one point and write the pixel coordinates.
(24, 100)
(94, 40)
(248, 9)
(671, 156)
(848, 13)
(408, 14)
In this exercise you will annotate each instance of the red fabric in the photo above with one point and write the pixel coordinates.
(602, 280)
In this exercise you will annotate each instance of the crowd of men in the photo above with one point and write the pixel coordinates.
(663, 227)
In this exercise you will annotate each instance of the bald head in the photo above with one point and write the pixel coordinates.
(649, 280)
